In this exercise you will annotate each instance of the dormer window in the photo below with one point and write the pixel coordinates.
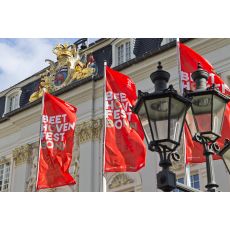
(120, 54)
(12, 100)
(122, 51)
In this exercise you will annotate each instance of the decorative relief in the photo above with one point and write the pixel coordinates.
(70, 66)
(48, 190)
(31, 181)
(22, 154)
(3, 160)
(76, 160)
(119, 180)
(89, 130)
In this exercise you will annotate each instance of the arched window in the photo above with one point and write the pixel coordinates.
(124, 182)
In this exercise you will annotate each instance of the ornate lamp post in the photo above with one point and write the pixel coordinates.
(205, 119)
(162, 115)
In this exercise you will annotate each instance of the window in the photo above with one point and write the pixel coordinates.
(122, 51)
(12, 100)
(120, 54)
(127, 51)
(195, 182)
(4, 177)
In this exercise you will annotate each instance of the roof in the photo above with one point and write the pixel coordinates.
(144, 51)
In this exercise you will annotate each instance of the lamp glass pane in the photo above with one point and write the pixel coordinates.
(142, 114)
(202, 109)
(158, 110)
(218, 114)
(191, 123)
(226, 159)
(177, 114)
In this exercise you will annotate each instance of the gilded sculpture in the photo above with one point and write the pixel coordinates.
(70, 66)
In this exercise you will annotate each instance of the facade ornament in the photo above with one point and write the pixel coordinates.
(22, 154)
(70, 66)
(76, 160)
(89, 130)
(3, 160)
(120, 180)
(48, 190)
(31, 181)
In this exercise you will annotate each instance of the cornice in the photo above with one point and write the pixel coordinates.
(98, 45)
(86, 131)
(207, 45)
(168, 57)
(32, 114)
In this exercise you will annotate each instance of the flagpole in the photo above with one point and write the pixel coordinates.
(179, 65)
(103, 180)
(42, 109)
(186, 166)
(92, 141)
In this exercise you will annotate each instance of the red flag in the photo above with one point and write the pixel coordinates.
(189, 60)
(56, 143)
(124, 147)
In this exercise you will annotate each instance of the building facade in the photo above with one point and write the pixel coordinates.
(77, 76)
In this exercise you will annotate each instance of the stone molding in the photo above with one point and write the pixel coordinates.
(31, 180)
(4, 160)
(89, 130)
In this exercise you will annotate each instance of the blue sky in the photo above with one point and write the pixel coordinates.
(20, 58)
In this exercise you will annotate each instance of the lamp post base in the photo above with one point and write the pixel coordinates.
(166, 180)
(212, 187)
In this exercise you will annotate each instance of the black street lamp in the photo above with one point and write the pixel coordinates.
(162, 115)
(205, 119)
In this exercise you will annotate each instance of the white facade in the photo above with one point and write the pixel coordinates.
(19, 135)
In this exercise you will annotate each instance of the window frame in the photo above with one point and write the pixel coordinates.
(193, 181)
(115, 47)
(14, 93)
(4, 176)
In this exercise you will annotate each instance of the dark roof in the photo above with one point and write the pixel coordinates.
(2, 105)
(100, 56)
(144, 45)
(97, 41)
(149, 54)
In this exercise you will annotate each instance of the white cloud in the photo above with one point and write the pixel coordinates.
(21, 58)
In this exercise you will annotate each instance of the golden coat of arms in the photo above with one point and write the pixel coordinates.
(70, 66)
